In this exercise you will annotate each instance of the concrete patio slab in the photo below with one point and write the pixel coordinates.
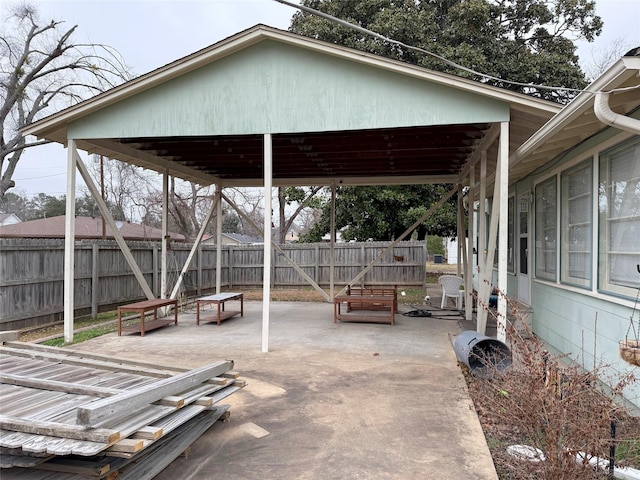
(328, 401)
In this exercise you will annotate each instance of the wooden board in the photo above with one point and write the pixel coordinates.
(45, 410)
(91, 413)
(226, 315)
(148, 325)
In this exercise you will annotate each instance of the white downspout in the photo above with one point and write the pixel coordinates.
(609, 117)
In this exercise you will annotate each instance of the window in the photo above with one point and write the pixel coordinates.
(546, 229)
(511, 265)
(619, 211)
(576, 188)
(510, 237)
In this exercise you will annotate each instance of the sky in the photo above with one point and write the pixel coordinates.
(152, 33)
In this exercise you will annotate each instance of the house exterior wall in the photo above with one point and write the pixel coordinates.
(587, 328)
(9, 220)
(585, 322)
(281, 88)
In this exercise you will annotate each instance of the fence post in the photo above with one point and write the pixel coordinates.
(363, 263)
(274, 260)
(154, 249)
(95, 276)
(424, 263)
(199, 274)
(230, 266)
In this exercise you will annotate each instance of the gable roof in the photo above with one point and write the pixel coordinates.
(337, 115)
(9, 219)
(85, 228)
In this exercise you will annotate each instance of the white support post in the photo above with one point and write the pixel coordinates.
(69, 242)
(468, 270)
(332, 245)
(503, 165)
(219, 240)
(482, 210)
(485, 276)
(460, 229)
(266, 274)
(486, 269)
(165, 235)
(482, 232)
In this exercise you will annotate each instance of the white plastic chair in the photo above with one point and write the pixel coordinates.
(451, 288)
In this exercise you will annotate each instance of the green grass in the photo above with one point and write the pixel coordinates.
(629, 451)
(82, 336)
(413, 296)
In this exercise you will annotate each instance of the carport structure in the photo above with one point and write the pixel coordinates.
(268, 108)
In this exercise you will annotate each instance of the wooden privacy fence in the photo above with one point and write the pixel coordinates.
(32, 272)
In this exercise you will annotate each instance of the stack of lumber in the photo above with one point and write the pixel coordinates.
(74, 415)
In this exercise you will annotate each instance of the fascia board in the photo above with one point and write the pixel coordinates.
(351, 181)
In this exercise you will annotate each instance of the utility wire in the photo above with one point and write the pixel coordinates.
(366, 31)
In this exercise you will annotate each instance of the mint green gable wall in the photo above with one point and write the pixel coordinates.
(272, 87)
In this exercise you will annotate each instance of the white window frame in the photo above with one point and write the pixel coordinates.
(628, 259)
(512, 248)
(569, 249)
(548, 244)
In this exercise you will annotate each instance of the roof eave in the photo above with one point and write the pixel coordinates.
(620, 71)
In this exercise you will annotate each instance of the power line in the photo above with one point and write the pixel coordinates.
(486, 76)
(42, 176)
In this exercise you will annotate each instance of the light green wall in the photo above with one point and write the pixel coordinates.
(273, 87)
(565, 318)
(586, 328)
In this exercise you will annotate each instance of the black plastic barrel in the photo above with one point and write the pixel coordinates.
(483, 355)
(437, 258)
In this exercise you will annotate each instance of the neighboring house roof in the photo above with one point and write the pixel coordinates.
(243, 239)
(9, 219)
(578, 121)
(237, 238)
(336, 115)
(85, 228)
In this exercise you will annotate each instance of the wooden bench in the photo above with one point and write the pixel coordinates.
(219, 299)
(148, 306)
(367, 298)
(371, 292)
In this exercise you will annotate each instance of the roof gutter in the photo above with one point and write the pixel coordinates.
(618, 72)
(609, 117)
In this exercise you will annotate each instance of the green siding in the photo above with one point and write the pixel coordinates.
(574, 322)
(275, 88)
(584, 327)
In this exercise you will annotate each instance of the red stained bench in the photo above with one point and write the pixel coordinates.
(144, 307)
(367, 299)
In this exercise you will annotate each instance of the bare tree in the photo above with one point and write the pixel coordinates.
(43, 70)
(603, 58)
(249, 201)
(126, 187)
(188, 206)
